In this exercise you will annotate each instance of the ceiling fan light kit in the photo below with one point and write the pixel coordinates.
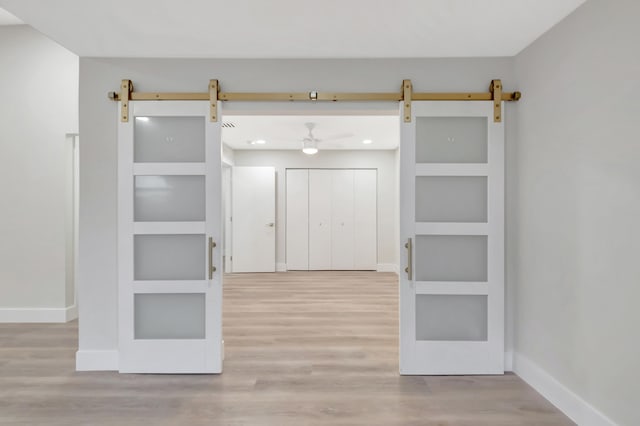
(309, 147)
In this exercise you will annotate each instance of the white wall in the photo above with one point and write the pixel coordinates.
(98, 126)
(383, 161)
(578, 251)
(227, 155)
(39, 90)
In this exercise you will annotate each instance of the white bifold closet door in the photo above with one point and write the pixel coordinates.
(342, 220)
(320, 219)
(331, 219)
(297, 219)
(365, 204)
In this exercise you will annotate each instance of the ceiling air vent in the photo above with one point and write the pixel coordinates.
(228, 125)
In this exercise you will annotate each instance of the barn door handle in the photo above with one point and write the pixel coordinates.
(409, 269)
(212, 268)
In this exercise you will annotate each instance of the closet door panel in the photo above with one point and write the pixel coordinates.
(320, 202)
(297, 240)
(365, 220)
(342, 218)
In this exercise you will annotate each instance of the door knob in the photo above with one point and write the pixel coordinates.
(271, 224)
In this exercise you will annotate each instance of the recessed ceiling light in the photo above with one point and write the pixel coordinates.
(257, 142)
(367, 141)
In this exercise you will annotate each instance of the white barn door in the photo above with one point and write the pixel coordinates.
(452, 236)
(169, 239)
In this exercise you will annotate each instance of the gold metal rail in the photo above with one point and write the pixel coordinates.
(406, 95)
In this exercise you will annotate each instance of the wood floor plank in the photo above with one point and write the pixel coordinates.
(316, 348)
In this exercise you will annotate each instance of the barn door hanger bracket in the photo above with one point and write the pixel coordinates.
(406, 95)
(126, 89)
(495, 88)
(407, 92)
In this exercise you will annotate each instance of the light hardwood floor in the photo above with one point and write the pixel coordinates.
(301, 349)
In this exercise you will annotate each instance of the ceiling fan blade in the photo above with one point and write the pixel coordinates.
(338, 136)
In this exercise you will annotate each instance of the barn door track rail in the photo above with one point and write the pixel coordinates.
(406, 95)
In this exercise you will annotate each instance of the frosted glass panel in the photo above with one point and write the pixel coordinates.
(169, 140)
(449, 317)
(451, 258)
(169, 316)
(451, 199)
(169, 198)
(169, 257)
(451, 140)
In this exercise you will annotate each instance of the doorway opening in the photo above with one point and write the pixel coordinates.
(311, 240)
(286, 210)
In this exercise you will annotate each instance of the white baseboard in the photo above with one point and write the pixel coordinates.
(97, 361)
(576, 408)
(388, 267)
(508, 361)
(281, 267)
(34, 315)
(71, 313)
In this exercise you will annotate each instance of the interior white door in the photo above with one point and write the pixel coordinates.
(253, 221)
(365, 205)
(342, 218)
(320, 204)
(297, 219)
(169, 222)
(452, 236)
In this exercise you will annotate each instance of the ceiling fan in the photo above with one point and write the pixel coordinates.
(310, 142)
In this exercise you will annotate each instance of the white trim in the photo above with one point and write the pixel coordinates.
(451, 169)
(451, 287)
(444, 228)
(71, 313)
(97, 360)
(508, 361)
(388, 267)
(172, 169)
(169, 228)
(281, 267)
(193, 286)
(576, 408)
(35, 315)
